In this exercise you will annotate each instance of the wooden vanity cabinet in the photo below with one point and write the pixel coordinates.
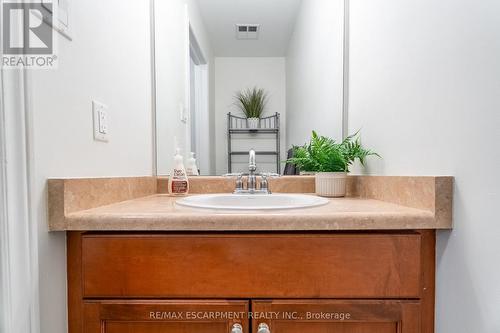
(345, 282)
(343, 316)
(174, 316)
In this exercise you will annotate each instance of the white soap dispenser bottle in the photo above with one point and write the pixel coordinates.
(178, 182)
(191, 167)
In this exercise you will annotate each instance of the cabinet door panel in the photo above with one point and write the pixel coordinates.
(133, 327)
(164, 316)
(302, 327)
(335, 316)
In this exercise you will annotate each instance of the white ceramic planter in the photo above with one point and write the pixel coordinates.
(331, 184)
(253, 123)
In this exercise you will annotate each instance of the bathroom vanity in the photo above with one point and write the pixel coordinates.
(139, 263)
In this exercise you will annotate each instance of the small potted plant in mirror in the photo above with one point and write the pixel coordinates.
(252, 103)
(329, 161)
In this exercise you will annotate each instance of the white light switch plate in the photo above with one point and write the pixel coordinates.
(100, 117)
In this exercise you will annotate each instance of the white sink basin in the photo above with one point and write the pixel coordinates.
(252, 201)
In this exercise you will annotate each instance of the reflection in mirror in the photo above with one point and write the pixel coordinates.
(235, 75)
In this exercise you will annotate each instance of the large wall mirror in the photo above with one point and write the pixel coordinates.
(211, 54)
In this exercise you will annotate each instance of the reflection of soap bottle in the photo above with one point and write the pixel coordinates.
(191, 168)
(178, 183)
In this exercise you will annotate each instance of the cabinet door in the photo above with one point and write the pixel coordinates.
(165, 317)
(331, 316)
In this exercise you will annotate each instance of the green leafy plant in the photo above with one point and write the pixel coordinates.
(251, 102)
(323, 154)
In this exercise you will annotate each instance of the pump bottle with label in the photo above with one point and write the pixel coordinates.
(178, 182)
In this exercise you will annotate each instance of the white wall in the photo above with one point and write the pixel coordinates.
(425, 89)
(314, 68)
(172, 22)
(108, 60)
(233, 75)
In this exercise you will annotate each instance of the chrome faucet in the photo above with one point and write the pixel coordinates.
(252, 178)
(252, 167)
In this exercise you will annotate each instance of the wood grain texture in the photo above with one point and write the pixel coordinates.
(75, 281)
(367, 316)
(336, 327)
(264, 265)
(428, 272)
(188, 316)
(345, 316)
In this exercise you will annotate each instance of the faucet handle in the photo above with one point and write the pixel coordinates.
(264, 184)
(239, 180)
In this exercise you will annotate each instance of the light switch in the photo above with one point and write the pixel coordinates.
(103, 122)
(100, 117)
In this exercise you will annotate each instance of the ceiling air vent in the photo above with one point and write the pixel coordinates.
(247, 31)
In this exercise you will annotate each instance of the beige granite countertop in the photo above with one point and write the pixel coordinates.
(159, 212)
(139, 204)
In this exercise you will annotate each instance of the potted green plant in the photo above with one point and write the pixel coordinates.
(252, 103)
(329, 161)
